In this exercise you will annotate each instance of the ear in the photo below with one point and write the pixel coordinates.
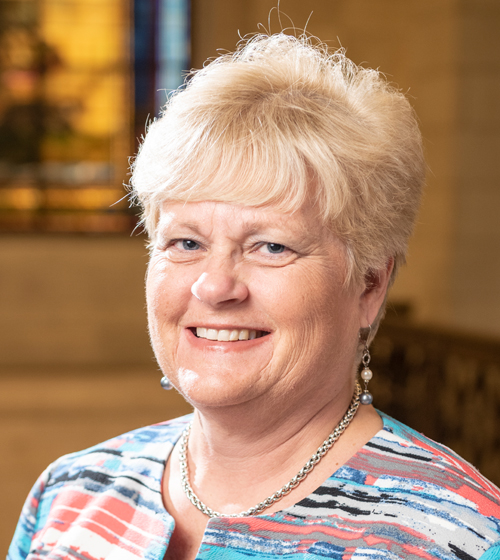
(373, 297)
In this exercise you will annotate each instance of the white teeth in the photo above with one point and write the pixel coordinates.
(234, 335)
(223, 335)
(212, 334)
(226, 335)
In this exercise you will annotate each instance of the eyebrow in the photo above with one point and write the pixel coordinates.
(249, 226)
(188, 225)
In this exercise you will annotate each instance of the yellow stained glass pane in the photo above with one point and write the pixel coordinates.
(20, 198)
(84, 199)
(65, 114)
(88, 33)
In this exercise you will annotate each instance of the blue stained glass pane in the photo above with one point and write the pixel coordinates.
(144, 47)
(173, 45)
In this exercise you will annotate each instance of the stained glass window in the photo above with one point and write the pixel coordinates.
(68, 98)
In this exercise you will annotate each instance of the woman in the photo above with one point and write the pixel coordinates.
(279, 189)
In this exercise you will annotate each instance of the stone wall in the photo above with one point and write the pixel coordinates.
(72, 300)
(475, 274)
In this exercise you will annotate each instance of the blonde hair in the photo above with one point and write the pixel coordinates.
(281, 122)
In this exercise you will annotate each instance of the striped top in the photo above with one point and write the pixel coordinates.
(400, 496)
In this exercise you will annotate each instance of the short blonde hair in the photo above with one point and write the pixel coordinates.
(280, 122)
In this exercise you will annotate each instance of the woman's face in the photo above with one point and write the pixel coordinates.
(247, 302)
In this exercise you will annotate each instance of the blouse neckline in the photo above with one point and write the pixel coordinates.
(347, 464)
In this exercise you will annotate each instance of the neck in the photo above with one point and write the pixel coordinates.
(257, 428)
(327, 444)
(231, 472)
(234, 463)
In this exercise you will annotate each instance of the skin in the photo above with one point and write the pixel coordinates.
(263, 406)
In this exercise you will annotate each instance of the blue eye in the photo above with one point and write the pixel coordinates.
(189, 245)
(275, 248)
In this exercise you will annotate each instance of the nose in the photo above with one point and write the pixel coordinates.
(219, 286)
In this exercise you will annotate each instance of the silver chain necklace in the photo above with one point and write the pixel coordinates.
(284, 490)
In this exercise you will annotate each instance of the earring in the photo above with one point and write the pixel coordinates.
(366, 373)
(165, 383)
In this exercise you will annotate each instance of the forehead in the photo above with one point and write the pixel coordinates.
(205, 215)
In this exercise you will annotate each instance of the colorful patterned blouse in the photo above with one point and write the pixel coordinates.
(400, 496)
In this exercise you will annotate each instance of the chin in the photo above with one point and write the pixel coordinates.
(207, 389)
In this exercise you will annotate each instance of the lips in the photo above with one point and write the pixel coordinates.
(227, 335)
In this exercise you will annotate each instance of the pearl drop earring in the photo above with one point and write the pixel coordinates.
(366, 373)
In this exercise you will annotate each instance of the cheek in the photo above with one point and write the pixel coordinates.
(311, 297)
(167, 295)
(314, 312)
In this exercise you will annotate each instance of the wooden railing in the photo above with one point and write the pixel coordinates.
(445, 385)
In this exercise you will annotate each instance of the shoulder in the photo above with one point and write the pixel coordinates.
(149, 443)
(402, 487)
(95, 493)
(429, 488)
(414, 456)
(130, 463)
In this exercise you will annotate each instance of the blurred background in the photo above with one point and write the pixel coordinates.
(79, 81)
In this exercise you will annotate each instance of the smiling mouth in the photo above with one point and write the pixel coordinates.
(227, 335)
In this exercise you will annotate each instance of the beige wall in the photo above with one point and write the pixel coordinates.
(475, 285)
(72, 300)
